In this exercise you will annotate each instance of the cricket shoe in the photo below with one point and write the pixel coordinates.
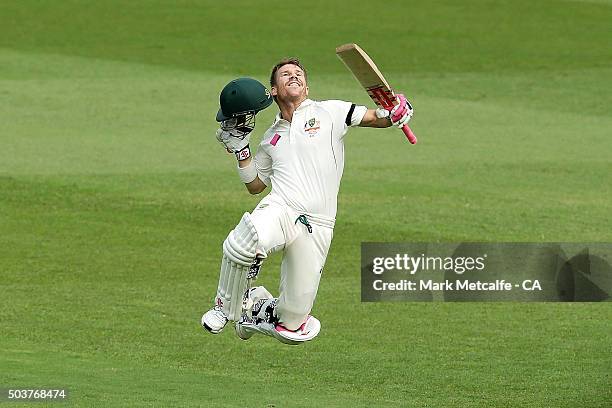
(264, 322)
(307, 331)
(214, 320)
(261, 308)
(246, 328)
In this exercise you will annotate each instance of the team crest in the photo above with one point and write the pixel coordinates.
(312, 126)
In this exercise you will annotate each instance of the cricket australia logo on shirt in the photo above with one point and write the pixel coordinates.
(312, 126)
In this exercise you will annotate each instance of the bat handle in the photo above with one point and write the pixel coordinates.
(408, 132)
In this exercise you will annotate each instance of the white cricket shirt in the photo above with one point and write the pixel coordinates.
(303, 159)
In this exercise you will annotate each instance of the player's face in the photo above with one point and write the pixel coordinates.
(290, 83)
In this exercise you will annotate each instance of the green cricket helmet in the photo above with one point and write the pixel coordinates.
(243, 97)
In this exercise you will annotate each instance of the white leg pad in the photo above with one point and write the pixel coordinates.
(239, 251)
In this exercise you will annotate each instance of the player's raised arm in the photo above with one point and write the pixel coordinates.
(240, 101)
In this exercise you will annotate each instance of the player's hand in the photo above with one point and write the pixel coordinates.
(233, 140)
(402, 112)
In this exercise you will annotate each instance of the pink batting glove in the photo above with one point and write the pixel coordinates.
(402, 112)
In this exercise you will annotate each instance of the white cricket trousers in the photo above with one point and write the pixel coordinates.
(304, 252)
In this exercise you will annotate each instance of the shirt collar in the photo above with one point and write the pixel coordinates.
(304, 104)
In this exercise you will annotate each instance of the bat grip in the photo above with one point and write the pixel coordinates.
(408, 132)
(406, 129)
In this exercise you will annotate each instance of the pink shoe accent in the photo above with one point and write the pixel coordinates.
(275, 139)
(280, 328)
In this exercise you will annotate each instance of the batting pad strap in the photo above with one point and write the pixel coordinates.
(249, 173)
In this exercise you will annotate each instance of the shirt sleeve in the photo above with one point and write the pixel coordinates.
(345, 114)
(263, 164)
(357, 115)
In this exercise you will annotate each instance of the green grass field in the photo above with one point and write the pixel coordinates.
(115, 199)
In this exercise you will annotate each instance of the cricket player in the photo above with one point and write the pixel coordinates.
(301, 159)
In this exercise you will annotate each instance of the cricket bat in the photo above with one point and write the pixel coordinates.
(370, 77)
